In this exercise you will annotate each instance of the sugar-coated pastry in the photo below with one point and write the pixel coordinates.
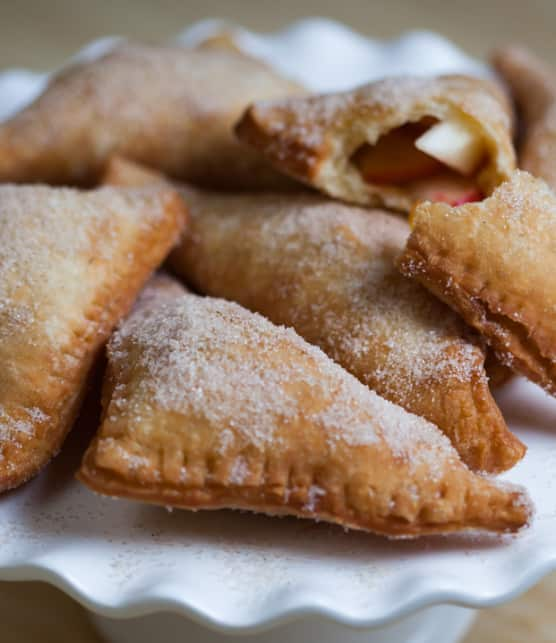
(207, 405)
(533, 85)
(328, 270)
(494, 263)
(169, 107)
(393, 142)
(71, 265)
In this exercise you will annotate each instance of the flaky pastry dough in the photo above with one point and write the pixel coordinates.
(328, 270)
(320, 139)
(494, 263)
(208, 406)
(71, 265)
(168, 107)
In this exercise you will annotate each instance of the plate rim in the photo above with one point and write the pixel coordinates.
(301, 603)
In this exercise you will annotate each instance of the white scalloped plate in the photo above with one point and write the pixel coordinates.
(239, 572)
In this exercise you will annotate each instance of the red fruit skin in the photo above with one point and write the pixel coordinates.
(453, 200)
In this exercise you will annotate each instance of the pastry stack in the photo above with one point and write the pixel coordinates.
(305, 300)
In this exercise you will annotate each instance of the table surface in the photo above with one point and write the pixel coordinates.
(41, 35)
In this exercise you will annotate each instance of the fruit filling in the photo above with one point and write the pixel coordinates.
(434, 160)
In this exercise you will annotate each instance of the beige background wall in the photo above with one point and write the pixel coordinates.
(42, 34)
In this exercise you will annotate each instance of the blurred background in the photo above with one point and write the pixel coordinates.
(41, 35)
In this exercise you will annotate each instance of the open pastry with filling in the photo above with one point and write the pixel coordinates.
(71, 265)
(169, 107)
(208, 406)
(494, 263)
(533, 85)
(328, 270)
(393, 142)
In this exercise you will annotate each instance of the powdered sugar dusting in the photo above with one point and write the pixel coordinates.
(239, 472)
(522, 199)
(122, 71)
(10, 427)
(315, 492)
(517, 225)
(501, 254)
(44, 230)
(14, 431)
(50, 255)
(113, 104)
(304, 120)
(330, 269)
(211, 359)
(299, 125)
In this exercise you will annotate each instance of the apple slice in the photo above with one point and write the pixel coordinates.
(453, 143)
(394, 159)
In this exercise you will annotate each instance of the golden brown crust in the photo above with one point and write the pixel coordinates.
(313, 138)
(533, 85)
(168, 107)
(493, 263)
(71, 264)
(208, 405)
(328, 270)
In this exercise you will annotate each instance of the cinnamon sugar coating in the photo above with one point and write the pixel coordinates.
(494, 262)
(71, 265)
(207, 405)
(314, 138)
(328, 270)
(170, 107)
